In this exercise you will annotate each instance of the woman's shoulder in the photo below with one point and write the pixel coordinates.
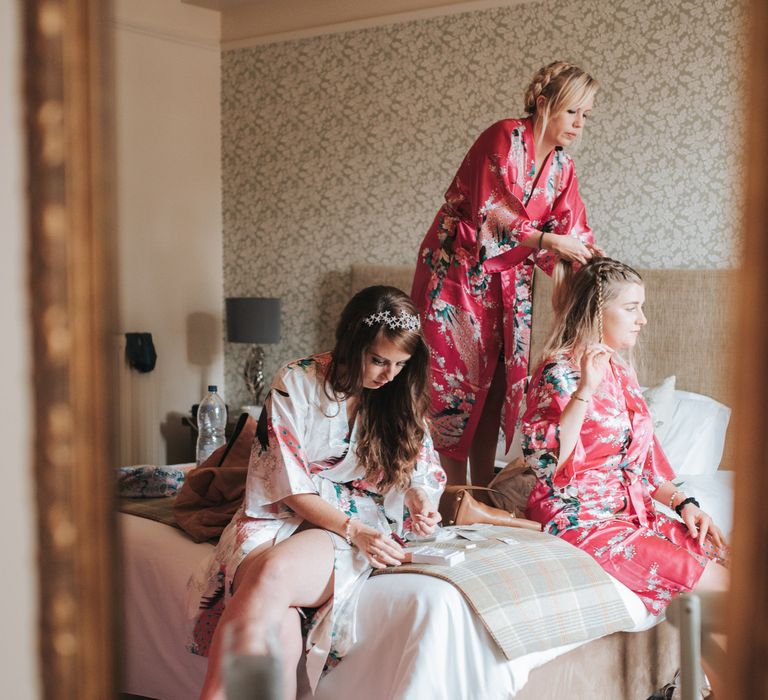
(508, 128)
(305, 370)
(557, 372)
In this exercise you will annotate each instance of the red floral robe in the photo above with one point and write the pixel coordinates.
(473, 276)
(601, 499)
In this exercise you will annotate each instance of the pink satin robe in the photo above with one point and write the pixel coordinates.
(601, 499)
(473, 277)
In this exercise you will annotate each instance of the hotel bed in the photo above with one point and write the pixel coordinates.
(417, 637)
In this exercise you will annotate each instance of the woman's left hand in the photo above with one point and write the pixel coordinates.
(701, 526)
(424, 517)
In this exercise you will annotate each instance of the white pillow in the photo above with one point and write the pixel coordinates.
(714, 492)
(661, 401)
(694, 437)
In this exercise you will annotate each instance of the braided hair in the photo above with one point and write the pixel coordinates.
(579, 316)
(563, 85)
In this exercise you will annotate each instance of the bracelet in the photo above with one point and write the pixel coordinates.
(348, 530)
(679, 507)
(541, 239)
(672, 499)
(578, 398)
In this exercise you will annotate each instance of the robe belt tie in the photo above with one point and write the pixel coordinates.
(635, 492)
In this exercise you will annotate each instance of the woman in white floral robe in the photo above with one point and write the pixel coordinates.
(343, 459)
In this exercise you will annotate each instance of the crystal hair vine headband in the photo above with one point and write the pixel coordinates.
(407, 322)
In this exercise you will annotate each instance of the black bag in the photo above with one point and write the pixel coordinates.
(140, 351)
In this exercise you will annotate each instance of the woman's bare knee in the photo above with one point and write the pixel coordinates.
(269, 574)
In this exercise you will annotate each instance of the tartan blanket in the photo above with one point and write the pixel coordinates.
(159, 509)
(538, 593)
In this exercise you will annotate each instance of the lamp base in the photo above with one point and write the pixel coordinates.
(253, 373)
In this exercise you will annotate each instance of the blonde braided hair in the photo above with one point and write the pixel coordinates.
(600, 306)
(579, 317)
(563, 85)
(541, 81)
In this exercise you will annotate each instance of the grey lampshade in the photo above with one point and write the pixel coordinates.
(253, 320)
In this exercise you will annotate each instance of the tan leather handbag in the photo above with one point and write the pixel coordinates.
(458, 506)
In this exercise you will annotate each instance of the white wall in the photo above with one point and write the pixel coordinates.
(18, 643)
(167, 90)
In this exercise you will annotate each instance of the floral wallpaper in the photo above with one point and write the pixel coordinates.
(337, 149)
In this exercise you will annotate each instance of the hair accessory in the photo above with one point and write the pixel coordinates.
(679, 507)
(407, 322)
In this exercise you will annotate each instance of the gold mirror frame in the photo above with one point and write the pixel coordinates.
(747, 672)
(71, 283)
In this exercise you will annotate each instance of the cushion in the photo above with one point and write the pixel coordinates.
(661, 401)
(149, 481)
(694, 437)
(213, 492)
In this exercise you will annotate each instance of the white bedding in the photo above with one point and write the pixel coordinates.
(415, 632)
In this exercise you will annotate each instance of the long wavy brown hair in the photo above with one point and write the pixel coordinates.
(393, 418)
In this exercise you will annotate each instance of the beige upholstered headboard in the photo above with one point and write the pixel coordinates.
(689, 324)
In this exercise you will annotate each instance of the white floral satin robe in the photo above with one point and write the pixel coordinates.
(310, 449)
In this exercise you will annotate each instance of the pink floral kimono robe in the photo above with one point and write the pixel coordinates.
(473, 277)
(310, 448)
(601, 499)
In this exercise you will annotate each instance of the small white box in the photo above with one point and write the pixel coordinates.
(435, 555)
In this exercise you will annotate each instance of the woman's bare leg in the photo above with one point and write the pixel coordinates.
(482, 451)
(715, 579)
(269, 586)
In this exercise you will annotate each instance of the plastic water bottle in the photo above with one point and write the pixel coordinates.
(211, 422)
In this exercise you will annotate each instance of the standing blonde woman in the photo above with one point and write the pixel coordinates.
(514, 203)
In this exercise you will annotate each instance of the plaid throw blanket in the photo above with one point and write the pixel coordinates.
(537, 593)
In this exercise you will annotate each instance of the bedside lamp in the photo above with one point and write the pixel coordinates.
(253, 320)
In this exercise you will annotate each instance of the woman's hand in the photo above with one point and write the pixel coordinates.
(700, 525)
(594, 362)
(379, 550)
(567, 247)
(424, 517)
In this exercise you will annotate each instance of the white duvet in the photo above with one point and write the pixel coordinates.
(417, 638)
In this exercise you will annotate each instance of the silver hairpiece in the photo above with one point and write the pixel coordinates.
(407, 322)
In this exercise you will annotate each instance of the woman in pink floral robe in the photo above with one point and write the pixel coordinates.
(588, 436)
(514, 203)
